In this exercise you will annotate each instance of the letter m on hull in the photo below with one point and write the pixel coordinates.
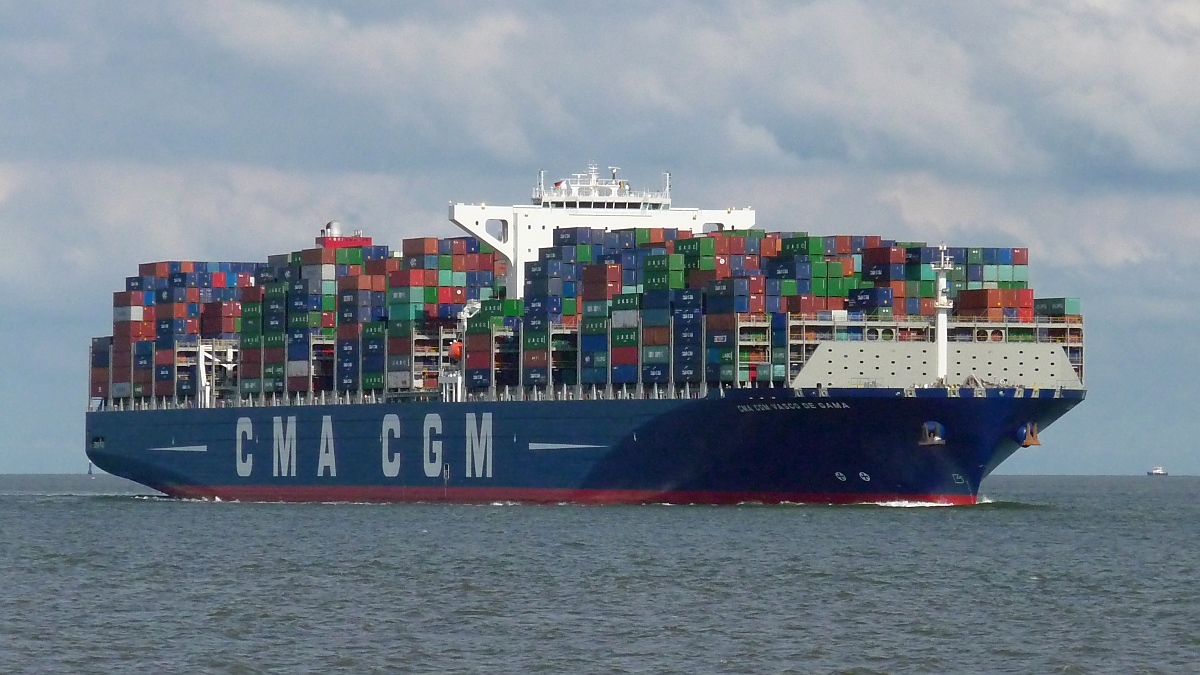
(285, 447)
(479, 446)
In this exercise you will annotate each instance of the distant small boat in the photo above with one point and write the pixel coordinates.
(1156, 471)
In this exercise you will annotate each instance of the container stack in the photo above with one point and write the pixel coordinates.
(610, 309)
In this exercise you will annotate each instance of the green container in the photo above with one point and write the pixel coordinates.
(1057, 307)
(787, 287)
(570, 306)
(298, 320)
(273, 385)
(406, 311)
(991, 273)
(252, 341)
(834, 269)
(274, 370)
(926, 289)
(1004, 273)
(535, 341)
(431, 295)
(405, 294)
(641, 236)
(820, 269)
(779, 355)
(1020, 273)
(458, 279)
(400, 328)
(728, 373)
(274, 339)
(657, 281)
(329, 287)
(252, 325)
(625, 337)
(372, 381)
(627, 301)
(491, 308)
(595, 308)
(374, 329)
(820, 286)
(445, 262)
(664, 263)
(275, 289)
(250, 386)
(593, 325)
(779, 373)
(837, 287)
(959, 273)
(328, 303)
(514, 307)
(252, 309)
(880, 313)
(583, 253)
(479, 325)
(974, 256)
(794, 246)
(599, 359)
(314, 319)
(725, 355)
(656, 354)
(445, 278)
(700, 246)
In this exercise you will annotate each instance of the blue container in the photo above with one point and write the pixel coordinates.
(656, 300)
(374, 363)
(772, 303)
(298, 336)
(624, 374)
(479, 378)
(687, 297)
(347, 348)
(593, 343)
(687, 334)
(374, 345)
(297, 352)
(779, 338)
(275, 321)
(656, 317)
(974, 272)
(753, 246)
(593, 375)
(688, 316)
(688, 372)
(686, 353)
(535, 377)
(143, 349)
(720, 338)
(912, 306)
(164, 373)
(656, 374)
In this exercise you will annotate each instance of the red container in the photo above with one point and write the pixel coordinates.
(1024, 298)
(873, 241)
(927, 307)
(381, 267)
(274, 355)
(1020, 256)
(100, 389)
(250, 370)
(164, 357)
(624, 356)
(300, 383)
(1025, 314)
(245, 280)
(737, 245)
(721, 245)
(480, 359)
(720, 321)
(349, 331)
(751, 262)
(164, 387)
(126, 299)
(835, 303)
(252, 294)
(431, 278)
(142, 376)
(898, 289)
(193, 296)
(758, 303)
(223, 309)
(458, 246)
(842, 245)
(757, 284)
(406, 278)
(458, 263)
(478, 342)
(399, 345)
(220, 280)
(769, 247)
(656, 335)
(445, 295)
(601, 273)
(252, 355)
(318, 256)
(535, 359)
(192, 327)
(419, 246)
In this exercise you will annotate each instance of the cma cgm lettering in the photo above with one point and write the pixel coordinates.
(477, 447)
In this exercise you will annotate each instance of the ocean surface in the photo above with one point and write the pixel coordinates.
(1052, 574)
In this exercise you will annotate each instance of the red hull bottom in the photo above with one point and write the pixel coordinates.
(396, 494)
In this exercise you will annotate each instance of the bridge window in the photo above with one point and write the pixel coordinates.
(497, 228)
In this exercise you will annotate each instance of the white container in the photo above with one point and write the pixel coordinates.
(122, 389)
(122, 314)
(399, 380)
(298, 368)
(625, 318)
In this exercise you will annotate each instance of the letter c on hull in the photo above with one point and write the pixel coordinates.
(391, 461)
(245, 460)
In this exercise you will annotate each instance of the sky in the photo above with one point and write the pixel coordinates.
(233, 129)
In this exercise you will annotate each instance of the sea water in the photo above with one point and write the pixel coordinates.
(1049, 574)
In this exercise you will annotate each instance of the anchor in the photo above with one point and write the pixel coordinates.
(1027, 435)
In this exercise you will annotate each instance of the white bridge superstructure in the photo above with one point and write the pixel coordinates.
(584, 200)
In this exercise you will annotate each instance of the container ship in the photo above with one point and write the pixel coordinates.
(596, 345)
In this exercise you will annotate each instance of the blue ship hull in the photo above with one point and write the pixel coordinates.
(846, 446)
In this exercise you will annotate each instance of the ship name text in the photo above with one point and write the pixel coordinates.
(798, 405)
